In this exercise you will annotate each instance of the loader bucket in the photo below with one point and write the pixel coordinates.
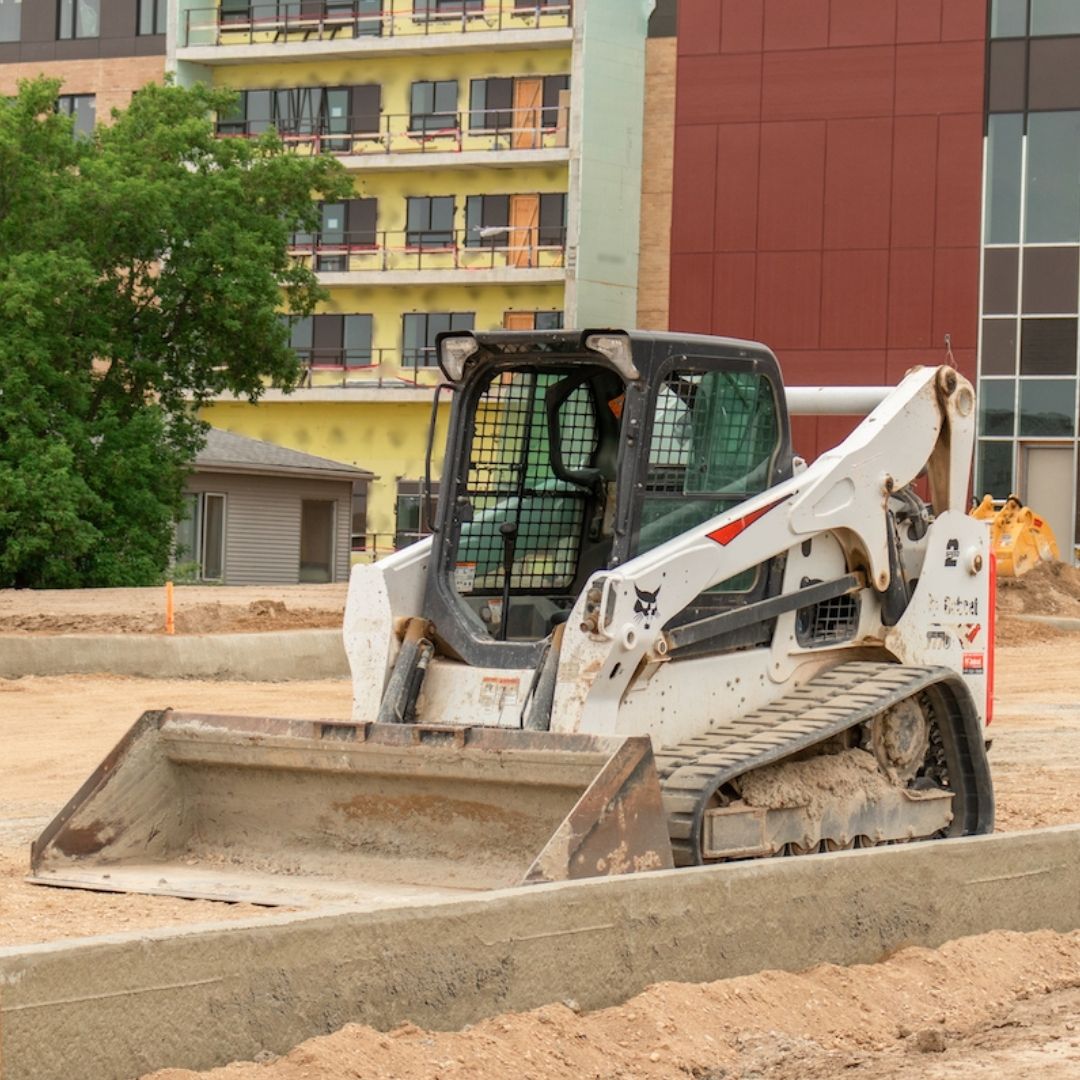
(297, 812)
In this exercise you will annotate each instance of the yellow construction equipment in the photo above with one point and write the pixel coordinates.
(1020, 538)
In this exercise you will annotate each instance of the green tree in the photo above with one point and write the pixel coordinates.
(142, 272)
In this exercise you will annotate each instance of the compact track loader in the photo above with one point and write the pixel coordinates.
(643, 634)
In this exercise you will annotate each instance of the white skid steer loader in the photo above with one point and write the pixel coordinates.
(642, 635)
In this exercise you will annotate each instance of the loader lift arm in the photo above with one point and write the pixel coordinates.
(926, 422)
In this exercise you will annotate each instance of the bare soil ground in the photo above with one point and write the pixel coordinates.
(54, 731)
(994, 1006)
(200, 609)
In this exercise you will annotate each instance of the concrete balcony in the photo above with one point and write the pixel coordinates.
(491, 138)
(322, 29)
(505, 255)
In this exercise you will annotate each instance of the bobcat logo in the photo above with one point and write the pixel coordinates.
(645, 607)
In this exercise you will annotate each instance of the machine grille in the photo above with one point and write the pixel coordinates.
(827, 623)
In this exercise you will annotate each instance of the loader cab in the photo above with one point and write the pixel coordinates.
(572, 452)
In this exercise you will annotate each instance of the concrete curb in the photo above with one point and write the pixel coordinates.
(196, 997)
(274, 656)
(1060, 622)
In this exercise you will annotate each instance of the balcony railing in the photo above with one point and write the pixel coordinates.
(372, 546)
(500, 248)
(292, 21)
(402, 133)
(378, 368)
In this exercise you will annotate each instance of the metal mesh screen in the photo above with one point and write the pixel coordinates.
(517, 501)
(827, 623)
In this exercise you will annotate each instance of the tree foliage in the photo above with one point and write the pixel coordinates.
(142, 272)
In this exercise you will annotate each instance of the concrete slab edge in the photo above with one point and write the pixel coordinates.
(1059, 622)
(107, 1008)
(275, 656)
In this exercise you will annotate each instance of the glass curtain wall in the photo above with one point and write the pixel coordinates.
(1028, 388)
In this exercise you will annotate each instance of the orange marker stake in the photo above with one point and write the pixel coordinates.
(170, 620)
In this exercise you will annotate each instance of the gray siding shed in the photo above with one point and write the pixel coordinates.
(264, 487)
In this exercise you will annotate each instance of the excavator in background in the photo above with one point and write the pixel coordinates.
(1019, 538)
(643, 635)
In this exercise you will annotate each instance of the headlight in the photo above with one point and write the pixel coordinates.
(454, 352)
(616, 347)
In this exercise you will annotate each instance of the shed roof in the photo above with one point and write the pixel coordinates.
(226, 451)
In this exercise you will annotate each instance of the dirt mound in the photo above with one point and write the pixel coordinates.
(918, 1013)
(1047, 589)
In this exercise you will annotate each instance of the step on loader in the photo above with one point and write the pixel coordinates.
(643, 634)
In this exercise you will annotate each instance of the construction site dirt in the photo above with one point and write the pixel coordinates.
(995, 1005)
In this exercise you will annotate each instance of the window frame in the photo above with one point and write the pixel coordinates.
(426, 355)
(413, 490)
(159, 10)
(548, 235)
(66, 106)
(16, 6)
(428, 236)
(73, 20)
(430, 120)
(492, 119)
(487, 212)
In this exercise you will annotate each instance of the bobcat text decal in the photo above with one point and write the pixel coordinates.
(726, 533)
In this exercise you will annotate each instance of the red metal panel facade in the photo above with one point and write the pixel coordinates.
(827, 184)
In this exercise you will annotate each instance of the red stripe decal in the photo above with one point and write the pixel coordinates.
(726, 533)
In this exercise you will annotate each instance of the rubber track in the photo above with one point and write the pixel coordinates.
(846, 695)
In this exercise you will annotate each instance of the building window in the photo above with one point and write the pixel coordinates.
(1052, 206)
(429, 221)
(10, 20)
(553, 86)
(1008, 18)
(333, 341)
(420, 329)
(433, 105)
(548, 320)
(79, 19)
(446, 7)
(994, 475)
(533, 320)
(348, 225)
(414, 511)
(358, 522)
(1047, 407)
(1053, 17)
(552, 220)
(153, 17)
(491, 104)
(328, 111)
(997, 409)
(487, 220)
(82, 109)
